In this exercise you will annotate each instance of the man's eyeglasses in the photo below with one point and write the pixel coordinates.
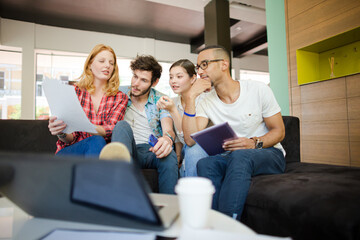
(204, 64)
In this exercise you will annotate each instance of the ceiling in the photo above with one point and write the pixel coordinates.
(179, 21)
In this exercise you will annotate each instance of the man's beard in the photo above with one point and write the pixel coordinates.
(141, 93)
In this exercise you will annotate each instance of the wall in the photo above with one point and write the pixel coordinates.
(329, 110)
(0, 30)
(30, 36)
(276, 34)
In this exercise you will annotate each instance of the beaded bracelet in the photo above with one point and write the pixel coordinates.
(168, 134)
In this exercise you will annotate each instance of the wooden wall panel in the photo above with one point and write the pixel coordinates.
(334, 152)
(355, 154)
(325, 131)
(353, 94)
(331, 25)
(324, 91)
(301, 6)
(296, 95)
(293, 67)
(321, 13)
(329, 111)
(354, 108)
(353, 85)
(324, 111)
(296, 111)
(354, 130)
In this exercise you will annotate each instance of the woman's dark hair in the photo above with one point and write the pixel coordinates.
(187, 65)
(147, 63)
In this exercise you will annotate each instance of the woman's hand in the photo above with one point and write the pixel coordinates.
(166, 103)
(100, 131)
(56, 127)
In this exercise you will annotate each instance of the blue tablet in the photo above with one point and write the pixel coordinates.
(211, 139)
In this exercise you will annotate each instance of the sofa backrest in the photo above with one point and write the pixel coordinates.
(291, 142)
(34, 136)
(26, 136)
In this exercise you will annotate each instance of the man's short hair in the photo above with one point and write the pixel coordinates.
(219, 51)
(147, 63)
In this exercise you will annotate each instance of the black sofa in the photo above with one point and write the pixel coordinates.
(309, 201)
(33, 136)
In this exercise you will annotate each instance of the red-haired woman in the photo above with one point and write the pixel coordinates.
(101, 100)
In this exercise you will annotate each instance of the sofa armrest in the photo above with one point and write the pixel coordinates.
(291, 142)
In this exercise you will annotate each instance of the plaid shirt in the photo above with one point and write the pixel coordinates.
(111, 110)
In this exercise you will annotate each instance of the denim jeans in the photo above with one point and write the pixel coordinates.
(88, 147)
(191, 156)
(231, 175)
(167, 167)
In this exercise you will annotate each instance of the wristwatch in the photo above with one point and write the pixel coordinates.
(61, 135)
(258, 143)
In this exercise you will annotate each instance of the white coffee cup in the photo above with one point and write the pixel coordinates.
(195, 197)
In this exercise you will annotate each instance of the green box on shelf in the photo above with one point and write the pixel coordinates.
(334, 57)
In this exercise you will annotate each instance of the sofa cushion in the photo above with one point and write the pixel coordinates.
(308, 201)
(26, 136)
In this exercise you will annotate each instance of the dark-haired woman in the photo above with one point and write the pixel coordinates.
(182, 76)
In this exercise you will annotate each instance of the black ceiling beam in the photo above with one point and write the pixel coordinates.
(198, 42)
(245, 49)
(217, 24)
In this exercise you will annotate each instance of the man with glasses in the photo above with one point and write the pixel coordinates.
(254, 114)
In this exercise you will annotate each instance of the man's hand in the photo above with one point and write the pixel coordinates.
(239, 143)
(55, 126)
(162, 148)
(199, 86)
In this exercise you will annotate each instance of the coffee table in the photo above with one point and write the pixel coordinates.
(16, 224)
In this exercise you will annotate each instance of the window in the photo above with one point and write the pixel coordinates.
(255, 76)
(65, 79)
(63, 66)
(10, 82)
(163, 85)
(2, 80)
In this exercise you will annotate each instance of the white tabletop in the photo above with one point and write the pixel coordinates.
(16, 224)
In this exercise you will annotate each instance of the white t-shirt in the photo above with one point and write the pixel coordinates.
(245, 115)
(139, 124)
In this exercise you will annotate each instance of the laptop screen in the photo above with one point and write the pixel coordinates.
(113, 186)
(82, 190)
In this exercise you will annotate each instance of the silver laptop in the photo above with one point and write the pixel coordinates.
(93, 191)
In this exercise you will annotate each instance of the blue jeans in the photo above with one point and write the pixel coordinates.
(231, 175)
(88, 147)
(167, 167)
(191, 156)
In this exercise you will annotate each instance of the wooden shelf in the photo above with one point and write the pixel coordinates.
(334, 57)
